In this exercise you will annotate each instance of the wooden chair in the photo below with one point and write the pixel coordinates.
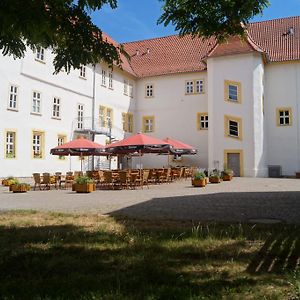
(166, 176)
(89, 174)
(123, 180)
(69, 179)
(108, 179)
(37, 180)
(133, 177)
(46, 181)
(152, 177)
(143, 180)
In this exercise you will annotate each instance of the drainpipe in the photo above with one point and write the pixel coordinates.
(93, 111)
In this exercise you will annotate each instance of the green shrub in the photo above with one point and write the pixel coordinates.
(199, 175)
(215, 174)
(84, 180)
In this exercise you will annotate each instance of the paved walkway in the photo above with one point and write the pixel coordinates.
(243, 199)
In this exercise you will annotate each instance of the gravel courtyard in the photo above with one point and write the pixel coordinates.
(242, 200)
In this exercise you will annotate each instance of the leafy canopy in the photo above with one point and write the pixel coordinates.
(206, 18)
(63, 25)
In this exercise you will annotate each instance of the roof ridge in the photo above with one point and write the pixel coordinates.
(154, 38)
(275, 19)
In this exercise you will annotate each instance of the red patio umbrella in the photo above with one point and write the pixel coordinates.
(79, 147)
(179, 147)
(140, 143)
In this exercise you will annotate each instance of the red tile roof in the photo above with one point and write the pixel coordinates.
(173, 54)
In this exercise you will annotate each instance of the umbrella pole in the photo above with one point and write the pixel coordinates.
(140, 154)
(81, 161)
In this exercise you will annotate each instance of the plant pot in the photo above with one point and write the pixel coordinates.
(227, 177)
(19, 188)
(199, 182)
(6, 182)
(298, 175)
(84, 188)
(214, 179)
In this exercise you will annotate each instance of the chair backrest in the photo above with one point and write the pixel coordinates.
(46, 178)
(101, 176)
(37, 177)
(146, 175)
(107, 176)
(89, 174)
(123, 176)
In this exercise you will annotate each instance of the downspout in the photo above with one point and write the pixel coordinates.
(298, 115)
(93, 111)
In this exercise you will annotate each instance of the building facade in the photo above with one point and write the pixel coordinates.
(237, 103)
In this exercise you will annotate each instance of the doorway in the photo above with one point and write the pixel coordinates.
(233, 159)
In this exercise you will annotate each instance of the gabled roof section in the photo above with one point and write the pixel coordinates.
(126, 66)
(235, 45)
(168, 55)
(279, 38)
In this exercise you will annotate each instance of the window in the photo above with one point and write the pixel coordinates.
(103, 78)
(10, 147)
(38, 144)
(202, 121)
(80, 110)
(126, 83)
(40, 54)
(233, 91)
(233, 127)
(13, 97)
(284, 116)
(36, 103)
(199, 86)
(82, 72)
(61, 139)
(189, 87)
(194, 86)
(56, 108)
(105, 116)
(131, 90)
(148, 124)
(110, 80)
(149, 91)
(127, 121)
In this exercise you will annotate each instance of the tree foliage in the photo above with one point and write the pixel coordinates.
(206, 18)
(62, 25)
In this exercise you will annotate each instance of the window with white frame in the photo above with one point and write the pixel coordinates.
(61, 139)
(103, 78)
(40, 54)
(131, 90)
(202, 121)
(284, 117)
(80, 112)
(148, 124)
(233, 91)
(110, 80)
(13, 97)
(56, 108)
(126, 86)
(10, 147)
(109, 117)
(105, 116)
(37, 144)
(82, 71)
(149, 91)
(233, 128)
(199, 86)
(36, 102)
(127, 121)
(189, 87)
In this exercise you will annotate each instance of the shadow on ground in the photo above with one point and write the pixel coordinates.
(71, 262)
(221, 207)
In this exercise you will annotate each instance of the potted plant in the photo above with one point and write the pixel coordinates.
(9, 181)
(84, 184)
(20, 187)
(214, 176)
(199, 179)
(227, 174)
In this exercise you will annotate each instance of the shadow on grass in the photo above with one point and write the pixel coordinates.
(70, 262)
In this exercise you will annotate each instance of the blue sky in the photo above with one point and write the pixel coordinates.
(136, 19)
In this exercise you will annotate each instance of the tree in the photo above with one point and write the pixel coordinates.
(206, 18)
(63, 25)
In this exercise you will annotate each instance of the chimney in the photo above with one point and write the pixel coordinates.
(137, 52)
(290, 31)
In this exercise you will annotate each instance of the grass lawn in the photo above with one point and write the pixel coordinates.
(60, 256)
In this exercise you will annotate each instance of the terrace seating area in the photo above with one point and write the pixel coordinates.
(113, 179)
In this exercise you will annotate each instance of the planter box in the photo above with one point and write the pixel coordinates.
(227, 177)
(6, 182)
(214, 179)
(19, 188)
(199, 182)
(84, 188)
(297, 174)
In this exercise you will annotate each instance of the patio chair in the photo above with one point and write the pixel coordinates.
(123, 180)
(89, 174)
(69, 180)
(58, 180)
(108, 179)
(143, 180)
(152, 177)
(46, 181)
(166, 176)
(37, 180)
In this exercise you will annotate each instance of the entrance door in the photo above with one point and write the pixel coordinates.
(234, 163)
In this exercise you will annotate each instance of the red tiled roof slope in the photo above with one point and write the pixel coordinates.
(273, 38)
(167, 55)
(173, 54)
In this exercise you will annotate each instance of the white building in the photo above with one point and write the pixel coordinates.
(238, 103)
